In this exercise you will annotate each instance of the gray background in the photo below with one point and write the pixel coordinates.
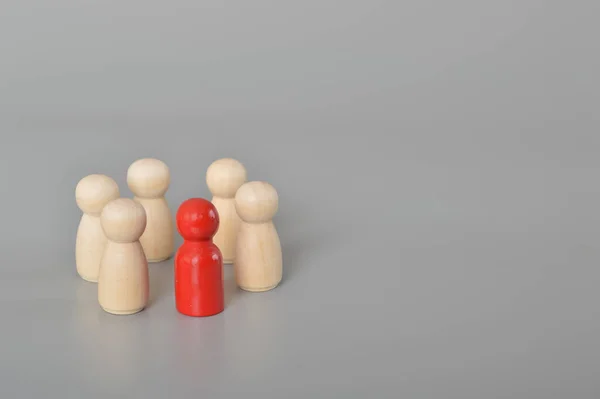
(437, 165)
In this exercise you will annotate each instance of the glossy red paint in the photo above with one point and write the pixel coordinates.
(198, 262)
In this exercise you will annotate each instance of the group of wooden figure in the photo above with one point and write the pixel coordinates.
(117, 237)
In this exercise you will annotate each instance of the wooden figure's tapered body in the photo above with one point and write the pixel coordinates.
(92, 193)
(198, 262)
(149, 180)
(123, 282)
(89, 247)
(223, 178)
(258, 263)
(227, 234)
(158, 239)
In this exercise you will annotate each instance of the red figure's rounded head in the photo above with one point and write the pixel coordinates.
(197, 219)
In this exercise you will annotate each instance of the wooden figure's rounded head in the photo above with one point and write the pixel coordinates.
(197, 219)
(148, 178)
(123, 220)
(224, 177)
(93, 192)
(256, 202)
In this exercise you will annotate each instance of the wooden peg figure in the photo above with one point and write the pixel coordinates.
(198, 262)
(149, 179)
(123, 282)
(258, 259)
(223, 178)
(92, 193)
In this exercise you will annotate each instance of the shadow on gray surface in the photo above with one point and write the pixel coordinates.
(161, 281)
(299, 252)
(305, 236)
(230, 287)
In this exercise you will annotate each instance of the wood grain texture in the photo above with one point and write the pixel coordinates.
(149, 180)
(123, 281)
(92, 193)
(258, 264)
(158, 239)
(223, 178)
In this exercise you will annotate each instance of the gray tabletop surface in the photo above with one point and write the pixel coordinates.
(437, 165)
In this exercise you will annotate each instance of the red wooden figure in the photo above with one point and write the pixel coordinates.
(198, 262)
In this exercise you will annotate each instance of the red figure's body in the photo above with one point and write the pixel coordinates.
(198, 262)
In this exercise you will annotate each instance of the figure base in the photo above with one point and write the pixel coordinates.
(201, 315)
(160, 259)
(259, 289)
(89, 279)
(122, 312)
